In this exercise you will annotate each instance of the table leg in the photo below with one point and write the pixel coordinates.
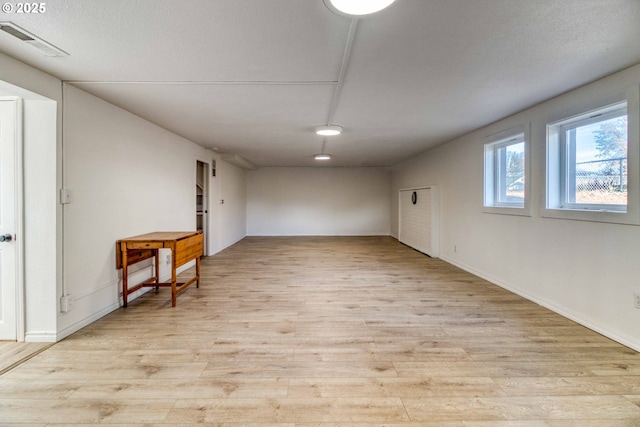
(197, 272)
(125, 274)
(174, 292)
(157, 272)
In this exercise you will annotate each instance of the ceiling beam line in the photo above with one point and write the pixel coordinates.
(346, 59)
(212, 83)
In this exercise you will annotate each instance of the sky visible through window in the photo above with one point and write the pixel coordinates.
(586, 144)
(586, 149)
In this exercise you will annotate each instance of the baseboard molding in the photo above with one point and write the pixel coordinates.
(86, 321)
(227, 245)
(563, 311)
(101, 313)
(373, 234)
(40, 336)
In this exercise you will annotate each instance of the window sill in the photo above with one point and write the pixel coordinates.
(506, 210)
(612, 217)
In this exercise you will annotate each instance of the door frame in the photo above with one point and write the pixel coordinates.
(207, 202)
(18, 163)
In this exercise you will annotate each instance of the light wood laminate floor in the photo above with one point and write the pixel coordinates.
(15, 353)
(329, 332)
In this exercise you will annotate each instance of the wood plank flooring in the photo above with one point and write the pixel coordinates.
(329, 331)
(14, 353)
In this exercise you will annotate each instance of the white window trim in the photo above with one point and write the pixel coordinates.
(586, 119)
(550, 209)
(497, 140)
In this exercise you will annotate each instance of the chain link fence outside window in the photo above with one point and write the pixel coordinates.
(602, 181)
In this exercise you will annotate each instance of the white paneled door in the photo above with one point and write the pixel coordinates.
(419, 219)
(8, 255)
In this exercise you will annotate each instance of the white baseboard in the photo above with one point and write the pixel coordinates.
(367, 234)
(40, 336)
(563, 311)
(85, 322)
(76, 326)
(227, 245)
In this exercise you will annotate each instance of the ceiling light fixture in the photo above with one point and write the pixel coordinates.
(357, 7)
(322, 157)
(329, 130)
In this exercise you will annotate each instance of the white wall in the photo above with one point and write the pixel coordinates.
(586, 271)
(233, 212)
(126, 176)
(318, 201)
(42, 229)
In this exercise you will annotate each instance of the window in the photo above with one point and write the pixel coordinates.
(587, 161)
(505, 172)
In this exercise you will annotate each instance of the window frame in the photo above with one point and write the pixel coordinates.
(600, 115)
(555, 191)
(492, 144)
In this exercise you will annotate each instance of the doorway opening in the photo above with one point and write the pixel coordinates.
(202, 202)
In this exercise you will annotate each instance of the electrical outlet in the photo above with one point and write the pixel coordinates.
(66, 303)
(65, 196)
(636, 299)
(168, 259)
(455, 248)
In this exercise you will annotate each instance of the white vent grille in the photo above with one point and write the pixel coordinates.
(238, 161)
(23, 35)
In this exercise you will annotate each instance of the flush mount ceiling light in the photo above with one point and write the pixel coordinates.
(357, 7)
(322, 157)
(329, 130)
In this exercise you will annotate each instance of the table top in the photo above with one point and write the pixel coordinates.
(158, 237)
(161, 236)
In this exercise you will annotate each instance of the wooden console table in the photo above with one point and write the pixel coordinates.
(185, 247)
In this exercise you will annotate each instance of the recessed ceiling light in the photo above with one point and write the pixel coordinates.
(322, 157)
(357, 7)
(329, 130)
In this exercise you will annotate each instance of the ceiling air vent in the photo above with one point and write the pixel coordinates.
(46, 48)
(238, 161)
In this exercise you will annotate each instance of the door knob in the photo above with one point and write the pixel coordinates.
(6, 238)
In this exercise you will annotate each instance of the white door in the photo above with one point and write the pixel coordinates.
(418, 220)
(8, 305)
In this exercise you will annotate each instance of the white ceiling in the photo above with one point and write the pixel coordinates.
(255, 77)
